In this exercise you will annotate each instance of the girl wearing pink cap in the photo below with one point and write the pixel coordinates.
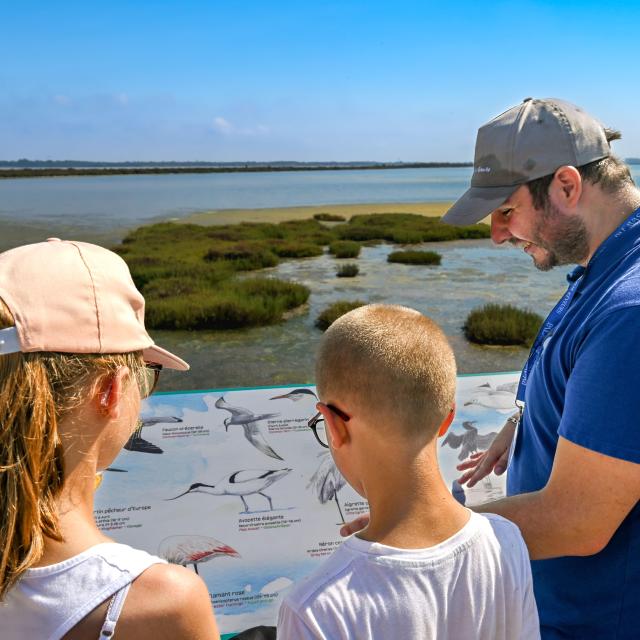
(75, 362)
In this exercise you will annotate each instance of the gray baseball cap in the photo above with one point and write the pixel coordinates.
(529, 141)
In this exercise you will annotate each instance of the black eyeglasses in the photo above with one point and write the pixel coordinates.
(151, 369)
(317, 425)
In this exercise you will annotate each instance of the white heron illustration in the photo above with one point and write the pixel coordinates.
(326, 481)
(248, 420)
(194, 550)
(245, 482)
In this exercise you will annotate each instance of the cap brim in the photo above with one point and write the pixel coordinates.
(165, 358)
(477, 203)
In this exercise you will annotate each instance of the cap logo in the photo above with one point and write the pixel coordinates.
(483, 170)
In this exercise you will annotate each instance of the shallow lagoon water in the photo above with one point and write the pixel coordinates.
(472, 273)
(100, 209)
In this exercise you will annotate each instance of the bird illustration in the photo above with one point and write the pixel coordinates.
(502, 398)
(248, 420)
(137, 443)
(193, 550)
(296, 395)
(469, 442)
(245, 482)
(327, 481)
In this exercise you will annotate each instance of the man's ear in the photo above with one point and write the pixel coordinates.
(566, 187)
(109, 392)
(337, 430)
(446, 423)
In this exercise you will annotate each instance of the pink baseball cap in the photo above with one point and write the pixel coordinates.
(74, 297)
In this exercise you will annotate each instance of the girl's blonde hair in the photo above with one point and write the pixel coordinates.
(36, 391)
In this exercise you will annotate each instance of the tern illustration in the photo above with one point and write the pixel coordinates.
(470, 441)
(245, 482)
(248, 420)
(193, 550)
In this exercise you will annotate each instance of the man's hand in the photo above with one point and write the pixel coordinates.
(495, 458)
(355, 525)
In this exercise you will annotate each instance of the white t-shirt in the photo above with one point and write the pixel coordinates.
(475, 585)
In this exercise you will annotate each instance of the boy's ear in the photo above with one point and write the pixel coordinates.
(337, 430)
(447, 422)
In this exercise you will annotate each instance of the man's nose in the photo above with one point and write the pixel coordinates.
(499, 228)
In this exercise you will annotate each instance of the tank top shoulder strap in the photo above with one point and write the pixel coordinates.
(113, 613)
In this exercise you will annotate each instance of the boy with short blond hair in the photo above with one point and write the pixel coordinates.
(425, 566)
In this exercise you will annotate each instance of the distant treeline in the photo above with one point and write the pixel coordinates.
(54, 168)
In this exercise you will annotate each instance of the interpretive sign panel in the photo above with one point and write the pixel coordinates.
(233, 485)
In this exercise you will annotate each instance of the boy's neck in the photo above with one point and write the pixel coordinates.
(410, 506)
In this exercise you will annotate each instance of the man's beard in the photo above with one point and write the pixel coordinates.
(566, 238)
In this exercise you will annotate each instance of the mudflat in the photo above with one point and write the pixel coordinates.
(280, 214)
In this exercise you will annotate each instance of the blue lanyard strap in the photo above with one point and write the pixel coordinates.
(556, 315)
(547, 328)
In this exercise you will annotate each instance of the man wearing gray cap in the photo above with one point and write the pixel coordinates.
(544, 172)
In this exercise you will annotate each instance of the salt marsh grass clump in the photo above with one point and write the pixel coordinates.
(249, 302)
(406, 228)
(415, 257)
(194, 277)
(188, 273)
(345, 249)
(348, 271)
(502, 325)
(292, 249)
(329, 315)
(329, 217)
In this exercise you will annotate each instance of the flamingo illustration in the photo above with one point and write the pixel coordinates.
(195, 550)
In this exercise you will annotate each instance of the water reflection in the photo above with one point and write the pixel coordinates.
(472, 273)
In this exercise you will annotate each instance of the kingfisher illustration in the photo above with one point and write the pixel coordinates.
(137, 443)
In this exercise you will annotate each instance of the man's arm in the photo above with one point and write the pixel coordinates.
(587, 497)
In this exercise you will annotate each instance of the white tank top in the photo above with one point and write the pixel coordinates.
(49, 601)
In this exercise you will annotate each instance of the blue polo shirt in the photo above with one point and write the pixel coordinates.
(585, 387)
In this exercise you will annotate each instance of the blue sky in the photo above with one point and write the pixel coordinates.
(343, 80)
